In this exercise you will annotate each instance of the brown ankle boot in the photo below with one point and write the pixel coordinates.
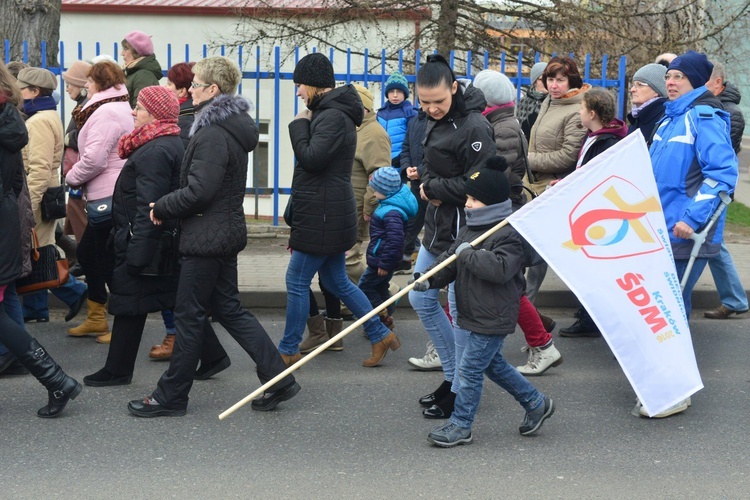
(317, 334)
(386, 319)
(163, 350)
(290, 360)
(380, 349)
(333, 328)
(95, 322)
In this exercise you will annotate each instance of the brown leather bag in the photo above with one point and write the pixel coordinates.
(48, 270)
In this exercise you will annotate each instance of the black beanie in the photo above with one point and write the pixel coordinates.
(314, 70)
(490, 184)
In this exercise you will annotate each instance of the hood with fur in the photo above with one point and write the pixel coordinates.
(230, 113)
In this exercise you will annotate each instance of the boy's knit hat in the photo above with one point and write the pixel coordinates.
(314, 70)
(397, 81)
(141, 42)
(160, 102)
(696, 67)
(495, 86)
(365, 96)
(537, 70)
(490, 184)
(77, 73)
(653, 76)
(386, 180)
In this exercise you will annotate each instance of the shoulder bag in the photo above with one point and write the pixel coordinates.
(48, 270)
(53, 203)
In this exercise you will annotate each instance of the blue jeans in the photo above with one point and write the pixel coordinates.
(483, 355)
(332, 272)
(731, 292)
(12, 306)
(375, 287)
(167, 315)
(35, 305)
(433, 317)
(695, 273)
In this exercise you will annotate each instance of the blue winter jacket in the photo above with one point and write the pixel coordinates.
(394, 119)
(387, 229)
(693, 161)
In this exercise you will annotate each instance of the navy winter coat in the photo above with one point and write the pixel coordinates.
(388, 227)
(412, 149)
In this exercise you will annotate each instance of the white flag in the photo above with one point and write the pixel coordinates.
(602, 230)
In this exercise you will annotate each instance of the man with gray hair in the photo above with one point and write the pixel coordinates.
(728, 285)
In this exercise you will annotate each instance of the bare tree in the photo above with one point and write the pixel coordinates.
(33, 21)
(636, 28)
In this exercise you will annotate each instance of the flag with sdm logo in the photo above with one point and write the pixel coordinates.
(602, 230)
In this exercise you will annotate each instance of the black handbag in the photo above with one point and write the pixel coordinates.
(99, 212)
(164, 262)
(53, 203)
(48, 269)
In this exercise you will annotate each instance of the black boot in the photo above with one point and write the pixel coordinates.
(434, 397)
(583, 327)
(60, 387)
(442, 409)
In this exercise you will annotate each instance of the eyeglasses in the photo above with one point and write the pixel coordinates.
(639, 85)
(195, 85)
(678, 77)
(140, 108)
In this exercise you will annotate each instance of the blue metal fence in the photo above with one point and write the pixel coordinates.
(376, 68)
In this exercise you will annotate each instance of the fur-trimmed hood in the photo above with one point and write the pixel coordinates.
(230, 113)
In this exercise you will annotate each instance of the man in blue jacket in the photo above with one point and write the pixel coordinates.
(693, 161)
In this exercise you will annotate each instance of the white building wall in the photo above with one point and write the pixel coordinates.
(195, 31)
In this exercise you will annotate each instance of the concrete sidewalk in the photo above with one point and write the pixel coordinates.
(261, 277)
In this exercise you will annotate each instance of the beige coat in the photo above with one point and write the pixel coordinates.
(556, 138)
(373, 152)
(41, 159)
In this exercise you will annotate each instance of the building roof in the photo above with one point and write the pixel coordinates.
(217, 7)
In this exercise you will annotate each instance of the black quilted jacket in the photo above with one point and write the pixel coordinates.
(212, 180)
(323, 211)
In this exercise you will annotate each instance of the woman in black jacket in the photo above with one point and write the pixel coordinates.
(323, 212)
(154, 152)
(13, 137)
(208, 205)
(457, 141)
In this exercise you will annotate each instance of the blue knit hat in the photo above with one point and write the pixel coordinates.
(386, 180)
(696, 67)
(397, 81)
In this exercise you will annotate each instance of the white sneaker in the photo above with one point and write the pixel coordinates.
(672, 410)
(429, 362)
(540, 360)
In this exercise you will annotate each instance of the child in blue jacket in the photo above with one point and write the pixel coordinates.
(396, 205)
(396, 114)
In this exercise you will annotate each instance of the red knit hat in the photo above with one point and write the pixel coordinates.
(181, 74)
(160, 102)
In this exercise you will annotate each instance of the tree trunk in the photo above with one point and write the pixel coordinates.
(447, 26)
(33, 21)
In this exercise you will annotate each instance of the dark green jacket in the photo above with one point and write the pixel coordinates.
(145, 73)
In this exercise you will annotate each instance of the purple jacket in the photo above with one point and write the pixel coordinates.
(100, 164)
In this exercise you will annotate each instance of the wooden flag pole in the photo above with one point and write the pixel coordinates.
(299, 364)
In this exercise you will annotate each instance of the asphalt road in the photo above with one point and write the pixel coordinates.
(354, 432)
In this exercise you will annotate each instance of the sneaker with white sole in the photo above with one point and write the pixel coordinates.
(540, 360)
(449, 435)
(429, 362)
(672, 410)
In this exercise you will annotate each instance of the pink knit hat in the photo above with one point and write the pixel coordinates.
(140, 42)
(160, 102)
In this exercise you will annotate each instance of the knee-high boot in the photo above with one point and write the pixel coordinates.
(60, 387)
